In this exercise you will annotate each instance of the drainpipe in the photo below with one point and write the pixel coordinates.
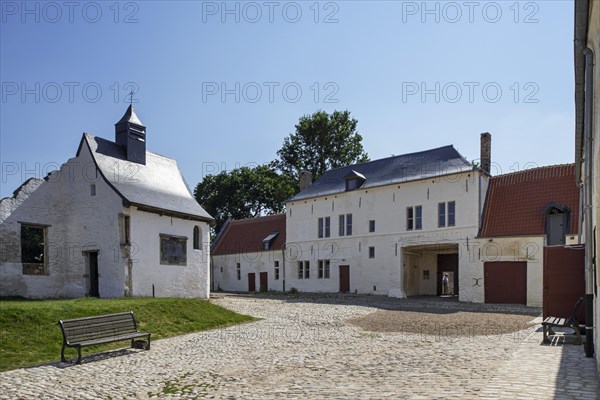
(580, 217)
(283, 265)
(587, 178)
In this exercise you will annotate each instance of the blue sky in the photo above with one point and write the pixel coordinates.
(219, 85)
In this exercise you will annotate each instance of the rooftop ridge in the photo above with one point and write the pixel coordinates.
(538, 172)
(256, 219)
(399, 155)
(147, 151)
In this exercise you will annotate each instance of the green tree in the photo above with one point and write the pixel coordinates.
(321, 142)
(244, 193)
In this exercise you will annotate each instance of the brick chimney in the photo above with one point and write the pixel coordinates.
(305, 179)
(486, 152)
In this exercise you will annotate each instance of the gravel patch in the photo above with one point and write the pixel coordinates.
(456, 323)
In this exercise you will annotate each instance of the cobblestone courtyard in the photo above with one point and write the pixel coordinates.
(305, 347)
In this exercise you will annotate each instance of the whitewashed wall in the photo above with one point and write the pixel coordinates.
(77, 222)
(224, 268)
(387, 205)
(190, 280)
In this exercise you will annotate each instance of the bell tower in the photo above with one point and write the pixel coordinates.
(131, 134)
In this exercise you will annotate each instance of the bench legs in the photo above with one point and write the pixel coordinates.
(62, 355)
(549, 331)
(575, 327)
(146, 347)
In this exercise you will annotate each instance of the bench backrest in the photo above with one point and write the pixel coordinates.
(573, 317)
(98, 327)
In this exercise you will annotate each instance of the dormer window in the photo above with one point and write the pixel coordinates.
(268, 241)
(354, 180)
(557, 223)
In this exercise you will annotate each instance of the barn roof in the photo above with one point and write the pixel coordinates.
(516, 203)
(248, 235)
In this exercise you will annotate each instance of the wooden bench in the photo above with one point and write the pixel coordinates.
(91, 331)
(556, 322)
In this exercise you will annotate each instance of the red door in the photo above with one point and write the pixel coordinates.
(251, 282)
(344, 278)
(505, 282)
(264, 282)
(564, 281)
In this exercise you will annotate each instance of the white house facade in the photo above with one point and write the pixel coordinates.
(587, 153)
(115, 220)
(393, 227)
(248, 255)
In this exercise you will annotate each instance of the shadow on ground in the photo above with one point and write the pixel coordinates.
(91, 358)
(421, 304)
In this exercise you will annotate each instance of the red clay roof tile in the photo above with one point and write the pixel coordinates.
(246, 235)
(515, 202)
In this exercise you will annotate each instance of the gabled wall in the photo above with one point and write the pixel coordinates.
(76, 222)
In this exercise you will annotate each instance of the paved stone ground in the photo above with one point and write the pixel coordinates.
(304, 348)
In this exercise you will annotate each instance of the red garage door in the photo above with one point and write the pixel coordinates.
(564, 281)
(505, 282)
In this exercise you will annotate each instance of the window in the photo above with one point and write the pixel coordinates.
(303, 269)
(342, 225)
(324, 268)
(451, 213)
(92, 189)
(324, 227)
(276, 265)
(33, 249)
(371, 252)
(441, 215)
(196, 238)
(238, 270)
(173, 250)
(348, 224)
(414, 218)
(372, 226)
(448, 211)
(125, 229)
(268, 241)
(353, 184)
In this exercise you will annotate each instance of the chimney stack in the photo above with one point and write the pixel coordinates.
(486, 152)
(305, 179)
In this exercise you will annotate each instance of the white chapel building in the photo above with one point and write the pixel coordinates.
(115, 220)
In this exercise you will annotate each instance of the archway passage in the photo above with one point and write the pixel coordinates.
(447, 264)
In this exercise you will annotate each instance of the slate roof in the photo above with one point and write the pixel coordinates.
(516, 203)
(157, 186)
(130, 116)
(403, 168)
(246, 235)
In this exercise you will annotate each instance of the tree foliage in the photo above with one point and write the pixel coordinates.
(244, 193)
(321, 142)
